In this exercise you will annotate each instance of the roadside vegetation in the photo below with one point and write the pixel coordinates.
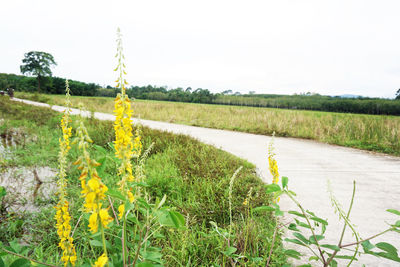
(195, 177)
(369, 132)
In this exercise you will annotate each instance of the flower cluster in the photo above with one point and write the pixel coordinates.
(273, 165)
(101, 261)
(64, 232)
(62, 214)
(93, 190)
(126, 145)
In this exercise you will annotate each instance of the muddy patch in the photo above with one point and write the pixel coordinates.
(28, 188)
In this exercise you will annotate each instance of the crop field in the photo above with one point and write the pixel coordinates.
(378, 133)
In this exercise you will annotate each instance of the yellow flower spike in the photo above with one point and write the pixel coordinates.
(101, 261)
(62, 216)
(273, 165)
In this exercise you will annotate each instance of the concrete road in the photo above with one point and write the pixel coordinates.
(309, 165)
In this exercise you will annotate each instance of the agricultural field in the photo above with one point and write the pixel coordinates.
(378, 133)
(195, 178)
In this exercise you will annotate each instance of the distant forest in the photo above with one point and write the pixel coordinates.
(56, 85)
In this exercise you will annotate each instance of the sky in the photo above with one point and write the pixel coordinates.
(278, 47)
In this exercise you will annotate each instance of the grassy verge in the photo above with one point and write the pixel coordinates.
(194, 176)
(370, 132)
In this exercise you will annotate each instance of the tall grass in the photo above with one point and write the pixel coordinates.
(371, 132)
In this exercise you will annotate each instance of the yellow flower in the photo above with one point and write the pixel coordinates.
(121, 210)
(131, 197)
(93, 222)
(101, 261)
(105, 218)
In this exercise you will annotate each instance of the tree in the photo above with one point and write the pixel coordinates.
(398, 94)
(37, 64)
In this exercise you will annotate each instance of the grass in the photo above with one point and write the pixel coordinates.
(194, 176)
(378, 133)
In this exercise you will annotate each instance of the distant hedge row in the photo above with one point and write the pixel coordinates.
(56, 85)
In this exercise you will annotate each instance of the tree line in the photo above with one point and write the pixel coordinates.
(56, 85)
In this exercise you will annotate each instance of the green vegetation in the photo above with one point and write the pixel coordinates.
(195, 177)
(369, 132)
(361, 105)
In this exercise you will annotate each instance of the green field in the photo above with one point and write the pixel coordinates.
(378, 133)
(194, 176)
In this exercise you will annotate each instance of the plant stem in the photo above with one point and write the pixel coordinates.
(27, 258)
(344, 226)
(112, 208)
(309, 224)
(124, 240)
(273, 242)
(369, 238)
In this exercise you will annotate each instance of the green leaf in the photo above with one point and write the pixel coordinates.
(301, 237)
(100, 149)
(115, 194)
(100, 169)
(367, 246)
(285, 181)
(15, 246)
(314, 239)
(316, 219)
(397, 224)
(293, 212)
(2, 263)
(305, 265)
(293, 227)
(263, 208)
(171, 218)
(293, 253)
(3, 192)
(97, 243)
(177, 218)
(387, 247)
(295, 241)
(20, 263)
(162, 201)
(394, 211)
(229, 251)
(144, 264)
(272, 188)
(333, 247)
(313, 258)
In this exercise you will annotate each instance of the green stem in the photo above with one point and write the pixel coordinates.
(309, 224)
(344, 228)
(124, 240)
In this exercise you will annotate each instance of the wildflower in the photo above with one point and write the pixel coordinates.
(101, 261)
(93, 190)
(62, 214)
(126, 144)
(273, 165)
(121, 210)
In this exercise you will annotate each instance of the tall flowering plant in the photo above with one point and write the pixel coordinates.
(62, 216)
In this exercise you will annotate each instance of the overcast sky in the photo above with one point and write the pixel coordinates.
(281, 46)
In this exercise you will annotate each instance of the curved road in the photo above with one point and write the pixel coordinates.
(309, 165)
